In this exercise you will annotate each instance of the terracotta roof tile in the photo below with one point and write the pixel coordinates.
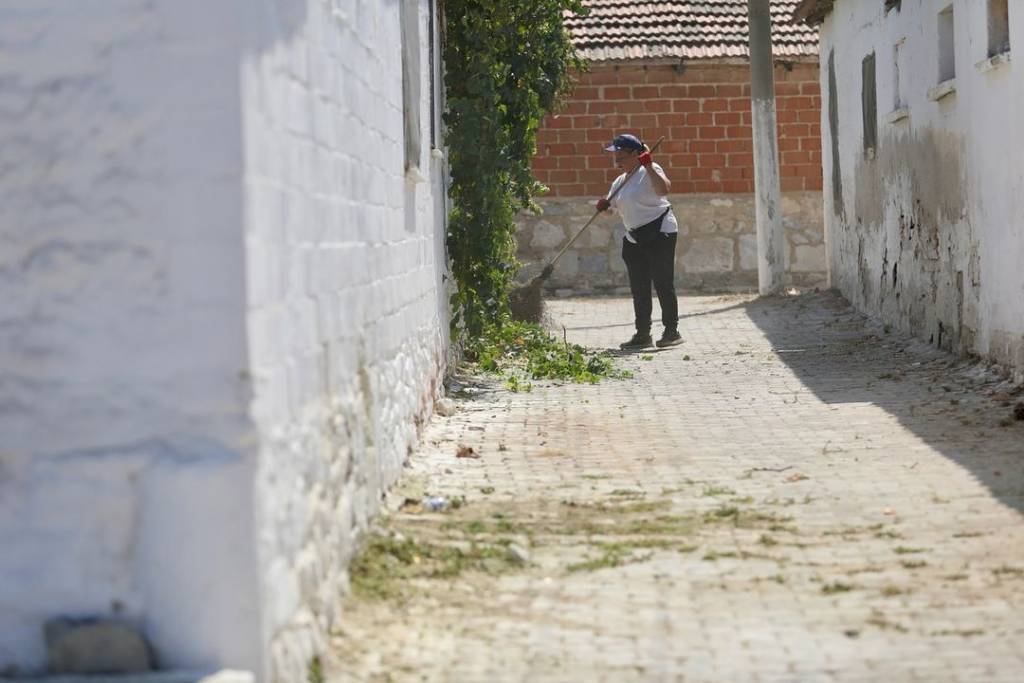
(712, 29)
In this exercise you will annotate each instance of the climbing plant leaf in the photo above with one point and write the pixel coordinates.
(507, 63)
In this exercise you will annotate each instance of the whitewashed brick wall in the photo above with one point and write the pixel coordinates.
(348, 253)
(222, 316)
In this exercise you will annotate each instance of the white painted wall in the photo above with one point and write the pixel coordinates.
(345, 305)
(945, 169)
(222, 320)
(122, 325)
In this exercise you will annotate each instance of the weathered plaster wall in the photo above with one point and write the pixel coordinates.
(716, 250)
(928, 232)
(222, 316)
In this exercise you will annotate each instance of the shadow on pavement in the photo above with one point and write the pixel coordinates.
(956, 406)
(460, 384)
(657, 321)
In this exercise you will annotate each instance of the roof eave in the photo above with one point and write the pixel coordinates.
(812, 12)
(676, 61)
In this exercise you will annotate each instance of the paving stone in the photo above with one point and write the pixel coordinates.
(817, 509)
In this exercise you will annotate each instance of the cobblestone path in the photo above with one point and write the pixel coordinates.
(791, 495)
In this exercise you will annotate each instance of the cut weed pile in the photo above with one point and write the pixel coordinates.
(387, 563)
(521, 351)
(489, 540)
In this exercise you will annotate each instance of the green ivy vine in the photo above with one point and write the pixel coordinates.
(507, 64)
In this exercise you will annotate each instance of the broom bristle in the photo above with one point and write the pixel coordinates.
(527, 302)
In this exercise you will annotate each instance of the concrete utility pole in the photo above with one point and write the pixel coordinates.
(771, 244)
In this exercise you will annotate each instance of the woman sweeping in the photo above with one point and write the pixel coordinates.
(649, 246)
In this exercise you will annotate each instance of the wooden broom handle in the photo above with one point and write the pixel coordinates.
(597, 213)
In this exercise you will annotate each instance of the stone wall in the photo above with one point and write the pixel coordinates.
(716, 251)
(222, 321)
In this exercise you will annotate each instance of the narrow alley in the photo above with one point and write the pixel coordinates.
(794, 494)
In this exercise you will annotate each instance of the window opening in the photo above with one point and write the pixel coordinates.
(410, 22)
(998, 27)
(833, 129)
(432, 57)
(899, 100)
(869, 105)
(947, 60)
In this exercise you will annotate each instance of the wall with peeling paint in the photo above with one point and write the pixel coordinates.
(927, 229)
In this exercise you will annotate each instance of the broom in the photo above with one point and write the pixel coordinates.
(526, 301)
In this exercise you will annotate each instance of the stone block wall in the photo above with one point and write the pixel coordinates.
(223, 316)
(716, 250)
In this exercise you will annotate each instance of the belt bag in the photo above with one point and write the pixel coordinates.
(648, 232)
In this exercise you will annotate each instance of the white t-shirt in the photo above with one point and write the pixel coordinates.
(638, 203)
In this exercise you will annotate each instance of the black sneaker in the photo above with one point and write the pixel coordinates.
(639, 341)
(669, 338)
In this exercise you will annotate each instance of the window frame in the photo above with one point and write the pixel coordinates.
(412, 96)
(998, 26)
(946, 39)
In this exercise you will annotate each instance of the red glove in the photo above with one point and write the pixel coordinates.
(645, 159)
(603, 204)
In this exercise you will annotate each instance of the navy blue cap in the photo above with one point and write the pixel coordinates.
(625, 141)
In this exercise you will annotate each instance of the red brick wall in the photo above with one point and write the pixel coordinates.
(704, 114)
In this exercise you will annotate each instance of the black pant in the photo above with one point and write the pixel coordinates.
(653, 262)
